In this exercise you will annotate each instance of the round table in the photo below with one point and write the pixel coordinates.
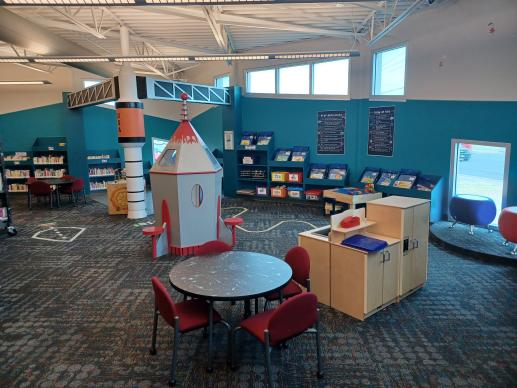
(56, 182)
(229, 276)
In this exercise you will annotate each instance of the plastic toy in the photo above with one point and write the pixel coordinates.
(350, 222)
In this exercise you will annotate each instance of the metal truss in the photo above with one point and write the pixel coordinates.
(97, 94)
(172, 90)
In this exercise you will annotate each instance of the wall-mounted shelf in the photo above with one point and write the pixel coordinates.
(102, 164)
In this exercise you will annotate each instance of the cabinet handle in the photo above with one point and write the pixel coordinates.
(383, 256)
(389, 256)
(415, 243)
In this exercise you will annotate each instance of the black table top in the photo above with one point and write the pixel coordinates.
(56, 181)
(234, 275)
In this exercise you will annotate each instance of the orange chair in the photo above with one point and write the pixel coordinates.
(183, 317)
(292, 318)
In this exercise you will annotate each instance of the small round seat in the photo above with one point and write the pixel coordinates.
(508, 225)
(152, 230)
(472, 210)
(232, 223)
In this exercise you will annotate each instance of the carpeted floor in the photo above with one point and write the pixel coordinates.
(80, 314)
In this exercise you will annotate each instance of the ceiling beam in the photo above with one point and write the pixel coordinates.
(217, 30)
(244, 21)
(78, 23)
(399, 19)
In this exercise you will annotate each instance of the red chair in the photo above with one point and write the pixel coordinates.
(183, 317)
(74, 189)
(299, 261)
(292, 318)
(39, 189)
(213, 248)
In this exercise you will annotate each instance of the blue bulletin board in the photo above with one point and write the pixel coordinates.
(381, 128)
(331, 132)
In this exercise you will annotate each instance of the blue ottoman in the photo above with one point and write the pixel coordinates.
(472, 210)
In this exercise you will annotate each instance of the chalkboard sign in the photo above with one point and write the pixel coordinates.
(381, 125)
(331, 132)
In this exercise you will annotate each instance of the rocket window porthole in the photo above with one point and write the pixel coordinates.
(168, 158)
(197, 195)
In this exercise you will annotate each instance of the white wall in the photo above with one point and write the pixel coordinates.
(451, 55)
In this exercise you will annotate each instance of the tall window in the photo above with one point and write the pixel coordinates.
(294, 79)
(389, 72)
(90, 82)
(261, 81)
(222, 81)
(331, 77)
(480, 168)
(321, 78)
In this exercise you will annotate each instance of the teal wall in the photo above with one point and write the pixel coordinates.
(100, 125)
(423, 131)
(209, 126)
(18, 130)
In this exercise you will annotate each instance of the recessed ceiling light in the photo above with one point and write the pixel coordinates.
(25, 82)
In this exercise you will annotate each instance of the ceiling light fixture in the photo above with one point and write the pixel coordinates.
(87, 3)
(200, 58)
(25, 82)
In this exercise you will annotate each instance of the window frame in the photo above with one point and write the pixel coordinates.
(222, 76)
(311, 95)
(453, 167)
(387, 97)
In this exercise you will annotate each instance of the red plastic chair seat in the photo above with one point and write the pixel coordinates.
(193, 314)
(508, 224)
(288, 291)
(233, 221)
(152, 230)
(256, 324)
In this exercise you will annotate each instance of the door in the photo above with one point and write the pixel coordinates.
(389, 277)
(480, 168)
(420, 251)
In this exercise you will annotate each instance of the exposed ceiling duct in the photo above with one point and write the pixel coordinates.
(20, 32)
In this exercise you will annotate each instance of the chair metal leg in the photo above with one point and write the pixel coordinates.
(471, 230)
(452, 225)
(84, 195)
(266, 305)
(152, 350)
(256, 306)
(267, 357)
(308, 284)
(172, 379)
(210, 334)
(229, 329)
(233, 336)
(505, 243)
(30, 201)
(514, 251)
(318, 349)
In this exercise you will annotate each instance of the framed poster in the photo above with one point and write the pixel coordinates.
(381, 127)
(228, 140)
(331, 132)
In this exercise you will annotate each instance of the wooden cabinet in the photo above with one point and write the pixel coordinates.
(361, 282)
(318, 247)
(409, 222)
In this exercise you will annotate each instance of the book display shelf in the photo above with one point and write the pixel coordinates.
(49, 157)
(282, 173)
(103, 167)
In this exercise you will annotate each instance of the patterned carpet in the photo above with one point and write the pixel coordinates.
(80, 314)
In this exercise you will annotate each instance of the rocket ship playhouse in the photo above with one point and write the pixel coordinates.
(186, 182)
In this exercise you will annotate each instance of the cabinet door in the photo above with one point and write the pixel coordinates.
(374, 274)
(406, 261)
(421, 245)
(389, 278)
(319, 253)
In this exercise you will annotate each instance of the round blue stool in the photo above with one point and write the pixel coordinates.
(472, 210)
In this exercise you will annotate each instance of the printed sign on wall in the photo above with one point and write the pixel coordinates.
(381, 127)
(331, 132)
(228, 140)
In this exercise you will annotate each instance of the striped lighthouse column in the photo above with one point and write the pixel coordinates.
(131, 133)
